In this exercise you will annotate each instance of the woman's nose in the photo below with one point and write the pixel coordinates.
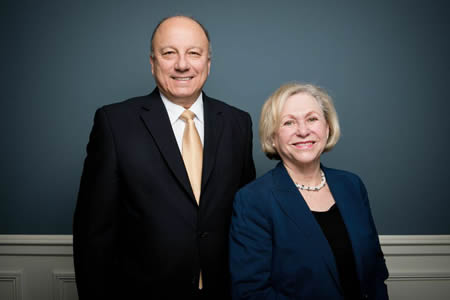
(302, 129)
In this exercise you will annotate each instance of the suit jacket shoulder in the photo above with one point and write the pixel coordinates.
(262, 183)
(131, 104)
(224, 106)
(352, 180)
(350, 175)
(255, 196)
(231, 113)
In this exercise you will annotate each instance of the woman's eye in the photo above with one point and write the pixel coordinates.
(288, 123)
(312, 119)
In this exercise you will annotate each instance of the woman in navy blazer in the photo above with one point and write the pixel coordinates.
(304, 231)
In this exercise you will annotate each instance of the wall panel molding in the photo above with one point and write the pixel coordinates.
(35, 267)
(63, 285)
(36, 245)
(411, 245)
(11, 284)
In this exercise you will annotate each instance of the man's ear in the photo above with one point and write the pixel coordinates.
(151, 63)
(209, 65)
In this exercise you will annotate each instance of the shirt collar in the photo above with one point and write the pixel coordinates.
(174, 110)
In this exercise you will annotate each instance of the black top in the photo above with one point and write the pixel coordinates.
(336, 233)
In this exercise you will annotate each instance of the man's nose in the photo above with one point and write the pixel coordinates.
(182, 64)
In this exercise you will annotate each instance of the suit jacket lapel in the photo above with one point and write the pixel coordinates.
(350, 208)
(157, 121)
(295, 207)
(213, 128)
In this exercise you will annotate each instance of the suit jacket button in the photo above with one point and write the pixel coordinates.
(365, 296)
(204, 235)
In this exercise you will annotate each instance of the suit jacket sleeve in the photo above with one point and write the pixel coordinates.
(251, 252)
(95, 219)
(249, 172)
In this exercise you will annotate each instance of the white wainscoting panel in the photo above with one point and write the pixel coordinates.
(419, 266)
(10, 285)
(45, 263)
(64, 287)
(40, 267)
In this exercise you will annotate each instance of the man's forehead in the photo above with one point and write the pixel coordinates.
(179, 20)
(179, 23)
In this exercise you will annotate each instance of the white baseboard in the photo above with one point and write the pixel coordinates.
(34, 267)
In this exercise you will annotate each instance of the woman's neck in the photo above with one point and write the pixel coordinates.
(308, 175)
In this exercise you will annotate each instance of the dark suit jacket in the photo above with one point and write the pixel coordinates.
(278, 250)
(137, 227)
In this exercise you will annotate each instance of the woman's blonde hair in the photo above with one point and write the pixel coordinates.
(270, 115)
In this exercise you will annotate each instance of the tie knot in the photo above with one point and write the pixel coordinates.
(187, 115)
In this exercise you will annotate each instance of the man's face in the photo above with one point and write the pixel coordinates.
(181, 60)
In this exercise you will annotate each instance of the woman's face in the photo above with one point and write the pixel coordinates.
(303, 131)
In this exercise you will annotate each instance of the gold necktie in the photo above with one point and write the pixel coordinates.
(193, 159)
(192, 153)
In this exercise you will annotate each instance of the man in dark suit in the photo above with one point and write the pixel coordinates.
(143, 226)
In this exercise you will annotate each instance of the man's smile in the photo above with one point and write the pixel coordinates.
(187, 78)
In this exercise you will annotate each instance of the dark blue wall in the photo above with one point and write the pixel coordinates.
(386, 63)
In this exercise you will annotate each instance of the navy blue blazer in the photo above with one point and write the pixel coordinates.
(278, 250)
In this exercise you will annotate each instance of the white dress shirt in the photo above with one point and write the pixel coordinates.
(174, 111)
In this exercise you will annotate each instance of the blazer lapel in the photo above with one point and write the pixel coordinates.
(295, 207)
(350, 209)
(157, 121)
(213, 131)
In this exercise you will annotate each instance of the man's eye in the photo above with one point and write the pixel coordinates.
(194, 53)
(165, 53)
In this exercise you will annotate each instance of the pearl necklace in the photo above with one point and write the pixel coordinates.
(313, 188)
